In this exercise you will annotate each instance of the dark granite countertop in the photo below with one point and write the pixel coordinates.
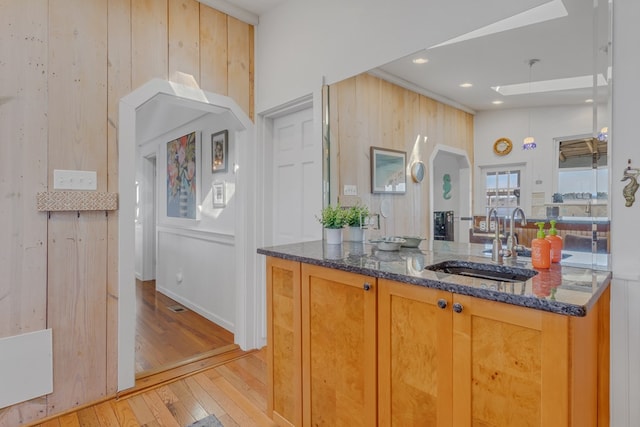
(565, 288)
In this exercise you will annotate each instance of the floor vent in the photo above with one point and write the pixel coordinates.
(176, 308)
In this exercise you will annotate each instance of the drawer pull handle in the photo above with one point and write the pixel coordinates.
(366, 286)
(457, 307)
(442, 303)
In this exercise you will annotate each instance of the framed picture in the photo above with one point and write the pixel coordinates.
(218, 194)
(388, 171)
(182, 175)
(219, 151)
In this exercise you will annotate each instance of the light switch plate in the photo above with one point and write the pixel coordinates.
(350, 190)
(74, 180)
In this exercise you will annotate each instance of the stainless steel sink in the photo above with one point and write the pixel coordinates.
(495, 272)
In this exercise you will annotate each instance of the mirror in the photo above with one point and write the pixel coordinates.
(449, 105)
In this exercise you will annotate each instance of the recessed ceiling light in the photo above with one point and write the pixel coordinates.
(420, 60)
(465, 85)
(588, 101)
(497, 102)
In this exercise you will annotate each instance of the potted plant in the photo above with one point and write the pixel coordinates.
(333, 219)
(355, 218)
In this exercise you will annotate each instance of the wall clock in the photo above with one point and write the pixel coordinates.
(502, 146)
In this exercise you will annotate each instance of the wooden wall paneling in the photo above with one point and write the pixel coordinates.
(413, 202)
(149, 53)
(23, 173)
(77, 247)
(347, 144)
(184, 41)
(23, 151)
(240, 41)
(119, 85)
(213, 50)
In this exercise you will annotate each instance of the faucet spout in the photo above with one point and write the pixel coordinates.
(496, 250)
(512, 241)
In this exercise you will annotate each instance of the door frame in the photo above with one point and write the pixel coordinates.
(247, 323)
(264, 185)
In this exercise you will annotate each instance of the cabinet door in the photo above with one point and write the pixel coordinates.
(338, 348)
(510, 365)
(284, 342)
(414, 355)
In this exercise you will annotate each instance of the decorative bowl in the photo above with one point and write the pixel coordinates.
(389, 243)
(411, 242)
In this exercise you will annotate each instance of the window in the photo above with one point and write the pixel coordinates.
(502, 190)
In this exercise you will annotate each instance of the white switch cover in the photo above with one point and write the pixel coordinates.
(350, 190)
(74, 180)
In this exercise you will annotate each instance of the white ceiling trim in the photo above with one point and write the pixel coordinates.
(233, 10)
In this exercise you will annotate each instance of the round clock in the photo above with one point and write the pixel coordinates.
(502, 146)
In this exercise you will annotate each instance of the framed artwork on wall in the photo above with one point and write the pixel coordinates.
(219, 151)
(219, 196)
(182, 175)
(388, 171)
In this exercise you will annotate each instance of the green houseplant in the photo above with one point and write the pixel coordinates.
(333, 219)
(354, 218)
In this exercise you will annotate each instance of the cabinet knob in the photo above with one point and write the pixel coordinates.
(457, 307)
(442, 303)
(366, 286)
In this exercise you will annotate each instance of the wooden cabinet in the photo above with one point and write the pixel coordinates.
(348, 349)
(284, 342)
(470, 361)
(338, 348)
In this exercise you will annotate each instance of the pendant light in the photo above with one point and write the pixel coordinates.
(529, 143)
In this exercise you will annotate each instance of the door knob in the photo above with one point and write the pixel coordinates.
(457, 307)
(366, 286)
(442, 303)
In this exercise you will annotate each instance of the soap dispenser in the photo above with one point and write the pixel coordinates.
(555, 241)
(540, 249)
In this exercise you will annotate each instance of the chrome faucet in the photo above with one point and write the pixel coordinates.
(512, 241)
(496, 250)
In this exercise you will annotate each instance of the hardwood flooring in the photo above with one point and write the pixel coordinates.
(165, 339)
(234, 391)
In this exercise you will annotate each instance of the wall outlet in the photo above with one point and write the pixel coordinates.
(74, 180)
(350, 190)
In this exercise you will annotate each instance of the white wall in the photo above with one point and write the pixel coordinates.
(625, 232)
(195, 258)
(546, 124)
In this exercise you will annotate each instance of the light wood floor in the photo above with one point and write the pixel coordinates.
(164, 338)
(234, 391)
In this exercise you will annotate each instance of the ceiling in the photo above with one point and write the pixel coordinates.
(564, 47)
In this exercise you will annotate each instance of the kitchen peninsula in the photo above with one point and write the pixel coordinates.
(358, 336)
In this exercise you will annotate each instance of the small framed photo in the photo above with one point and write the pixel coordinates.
(388, 171)
(219, 151)
(218, 194)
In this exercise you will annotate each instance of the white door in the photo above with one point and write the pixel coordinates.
(297, 179)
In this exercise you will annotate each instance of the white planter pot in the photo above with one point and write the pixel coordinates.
(356, 234)
(333, 236)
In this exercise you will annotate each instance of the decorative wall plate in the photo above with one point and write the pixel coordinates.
(417, 171)
(502, 146)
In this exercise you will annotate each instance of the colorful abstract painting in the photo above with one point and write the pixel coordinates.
(181, 177)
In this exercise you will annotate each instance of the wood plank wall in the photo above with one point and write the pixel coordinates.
(366, 111)
(64, 66)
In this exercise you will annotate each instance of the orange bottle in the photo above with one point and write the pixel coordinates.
(556, 242)
(540, 249)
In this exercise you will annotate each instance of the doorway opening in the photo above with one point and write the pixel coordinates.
(162, 108)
